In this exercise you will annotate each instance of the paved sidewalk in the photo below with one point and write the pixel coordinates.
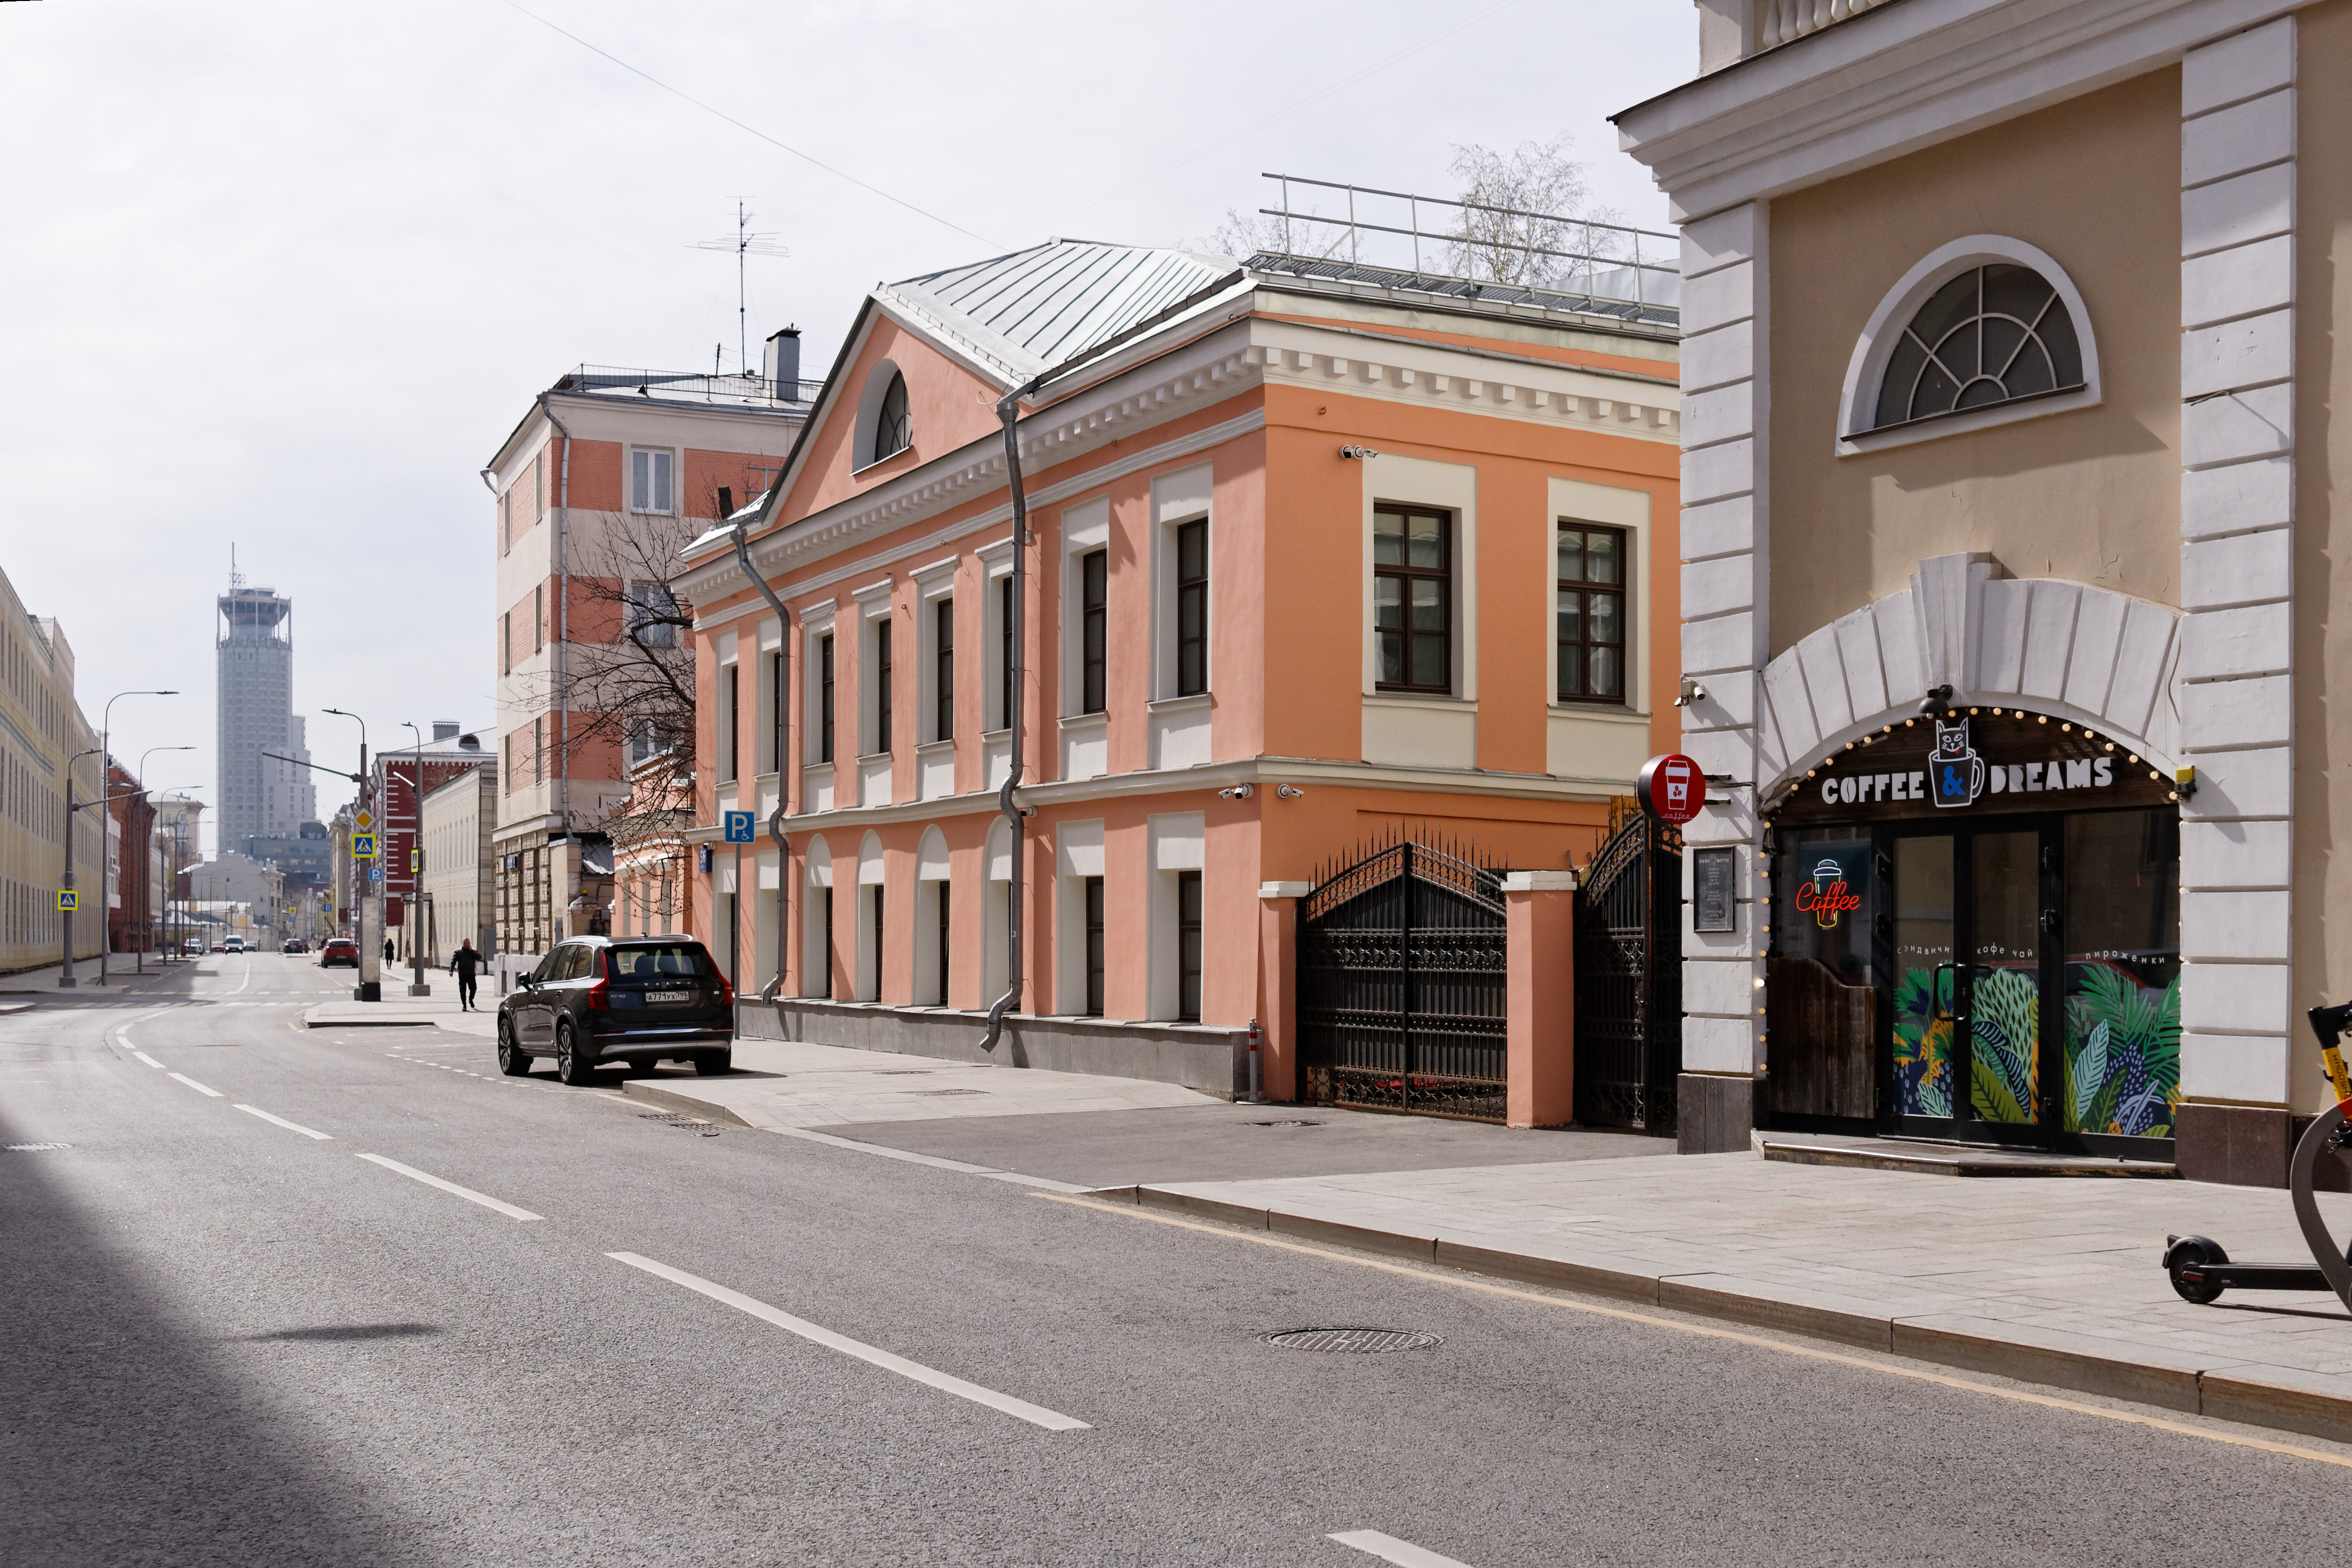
(781, 1084)
(2054, 1281)
(398, 1007)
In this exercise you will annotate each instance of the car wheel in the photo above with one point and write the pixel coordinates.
(513, 1061)
(714, 1064)
(572, 1063)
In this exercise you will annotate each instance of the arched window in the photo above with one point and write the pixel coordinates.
(1995, 333)
(894, 428)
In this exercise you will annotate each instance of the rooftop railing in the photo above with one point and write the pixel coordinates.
(682, 386)
(1471, 243)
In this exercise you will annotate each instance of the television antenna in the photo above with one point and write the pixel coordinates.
(744, 244)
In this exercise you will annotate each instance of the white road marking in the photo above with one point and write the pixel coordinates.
(1389, 1549)
(488, 1202)
(1035, 1415)
(200, 1088)
(289, 1126)
(143, 1057)
(937, 1162)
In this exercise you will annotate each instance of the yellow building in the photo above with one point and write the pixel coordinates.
(42, 732)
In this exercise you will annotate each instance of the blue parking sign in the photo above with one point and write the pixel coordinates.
(738, 825)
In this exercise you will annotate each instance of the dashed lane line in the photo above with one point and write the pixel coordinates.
(143, 1057)
(1035, 1415)
(1389, 1549)
(289, 1126)
(200, 1088)
(469, 1193)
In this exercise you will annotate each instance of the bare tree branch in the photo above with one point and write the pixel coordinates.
(1546, 191)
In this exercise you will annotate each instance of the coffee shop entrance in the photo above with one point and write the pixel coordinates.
(1975, 935)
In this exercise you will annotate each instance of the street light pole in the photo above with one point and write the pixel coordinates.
(412, 913)
(370, 986)
(106, 760)
(147, 862)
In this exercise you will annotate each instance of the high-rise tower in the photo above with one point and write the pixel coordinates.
(261, 796)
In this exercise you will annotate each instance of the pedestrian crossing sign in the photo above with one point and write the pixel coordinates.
(67, 900)
(362, 845)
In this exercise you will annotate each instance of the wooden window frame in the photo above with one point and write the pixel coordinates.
(825, 699)
(1442, 575)
(943, 670)
(883, 662)
(1620, 590)
(1091, 906)
(1188, 951)
(1193, 611)
(1094, 631)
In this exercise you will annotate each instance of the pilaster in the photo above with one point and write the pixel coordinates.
(1725, 582)
(2237, 516)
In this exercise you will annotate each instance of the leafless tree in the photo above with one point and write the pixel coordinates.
(631, 662)
(1545, 194)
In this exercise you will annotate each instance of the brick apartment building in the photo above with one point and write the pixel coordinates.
(604, 479)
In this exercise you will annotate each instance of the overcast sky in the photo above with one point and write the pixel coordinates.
(284, 274)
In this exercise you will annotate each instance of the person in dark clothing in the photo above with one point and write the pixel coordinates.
(387, 950)
(462, 963)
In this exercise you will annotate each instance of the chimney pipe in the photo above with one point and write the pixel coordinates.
(443, 730)
(781, 363)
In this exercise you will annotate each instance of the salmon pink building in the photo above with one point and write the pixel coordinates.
(1320, 557)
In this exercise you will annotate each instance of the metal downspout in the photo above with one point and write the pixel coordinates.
(782, 705)
(1008, 411)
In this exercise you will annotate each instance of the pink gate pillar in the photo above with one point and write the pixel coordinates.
(1540, 930)
(1278, 985)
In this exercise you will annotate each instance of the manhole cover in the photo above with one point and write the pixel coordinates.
(35, 1148)
(1287, 1121)
(1354, 1341)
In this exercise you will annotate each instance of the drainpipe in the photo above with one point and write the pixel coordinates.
(1008, 411)
(776, 818)
(562, 637)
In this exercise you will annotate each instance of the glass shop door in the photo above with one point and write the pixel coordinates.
(1973, 929)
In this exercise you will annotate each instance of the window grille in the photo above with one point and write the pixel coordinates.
(1996, 333)
(894, 425)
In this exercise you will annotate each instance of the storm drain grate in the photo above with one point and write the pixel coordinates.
(1287, 1121)
(683, 1124)
(35, 1148)
(1354, 1341)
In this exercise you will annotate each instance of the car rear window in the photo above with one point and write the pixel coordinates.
(658, 961)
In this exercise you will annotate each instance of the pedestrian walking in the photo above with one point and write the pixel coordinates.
(462, 963)
(387, 950)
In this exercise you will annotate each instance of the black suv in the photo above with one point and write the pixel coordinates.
(635, 999)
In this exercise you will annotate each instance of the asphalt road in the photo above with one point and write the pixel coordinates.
(231, 1341)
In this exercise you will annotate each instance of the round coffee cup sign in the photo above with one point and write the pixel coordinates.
(1672, 788)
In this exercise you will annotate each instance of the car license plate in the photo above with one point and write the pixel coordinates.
(666, 998)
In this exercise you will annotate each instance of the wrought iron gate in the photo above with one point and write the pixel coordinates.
(1629, 968)
(1402, 983)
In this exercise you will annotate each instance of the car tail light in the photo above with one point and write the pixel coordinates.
(598, 994)
(726, 992)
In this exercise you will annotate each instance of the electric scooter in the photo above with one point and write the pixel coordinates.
(2200, 1270)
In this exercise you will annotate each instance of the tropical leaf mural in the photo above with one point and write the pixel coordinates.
(2123, 1051)
(2005, 1029)
(1923, 1047)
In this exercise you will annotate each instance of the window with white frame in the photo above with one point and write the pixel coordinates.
(650, 486)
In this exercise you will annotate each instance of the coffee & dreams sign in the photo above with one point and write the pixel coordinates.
(1975, 760)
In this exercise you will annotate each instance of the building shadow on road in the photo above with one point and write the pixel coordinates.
(125, 1441)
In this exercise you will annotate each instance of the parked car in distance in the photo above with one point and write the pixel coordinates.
(193, 945)
(638, 1000)
(220, 947)
(234, 945)
(339, 950)
(295, 944)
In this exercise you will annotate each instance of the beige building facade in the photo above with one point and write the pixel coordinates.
(42, 734)
(460, 876)
(2008, 562)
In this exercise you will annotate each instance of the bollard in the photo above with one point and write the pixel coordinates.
(1255, 1097)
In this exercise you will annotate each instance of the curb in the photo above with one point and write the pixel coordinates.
(671, 1099)
(2283, 1398)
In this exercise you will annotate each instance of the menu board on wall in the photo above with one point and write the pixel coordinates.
(1715, 901)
